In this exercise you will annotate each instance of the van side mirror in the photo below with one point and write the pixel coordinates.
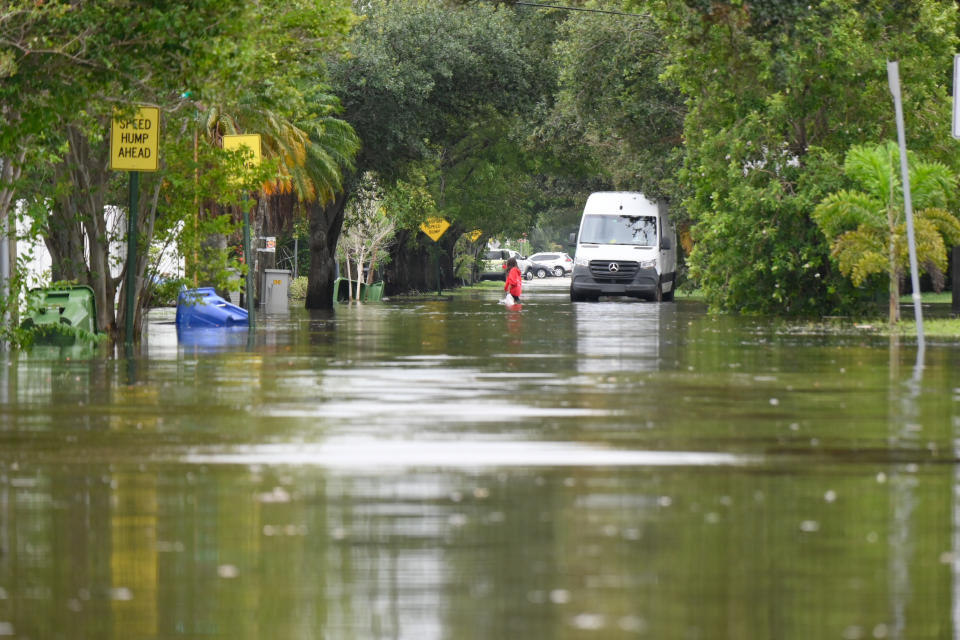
(665, 244)
(573, 239)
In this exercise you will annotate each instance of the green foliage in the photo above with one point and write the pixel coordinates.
(57, 335)
(611, 103)
(165, 292)
(867, 228)
(420, 73)
(409, 204)
(447, 100)
(66, 66)
(201, 199)
(774, 92)
(465, 259)
(298, 288)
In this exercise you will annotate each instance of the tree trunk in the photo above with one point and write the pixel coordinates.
(326, 222)
(373, 262)
(894, 307)
(78, 212)
(64, 241)
(78, 215)
(413, 263)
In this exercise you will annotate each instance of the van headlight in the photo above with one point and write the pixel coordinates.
(582, 262)
(648, 264)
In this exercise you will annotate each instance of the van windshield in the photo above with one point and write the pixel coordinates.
(638, 230)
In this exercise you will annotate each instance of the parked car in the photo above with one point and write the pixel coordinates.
(493, 265)
(535, 270)
(549, 263)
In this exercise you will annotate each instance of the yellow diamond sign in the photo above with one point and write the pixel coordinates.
(475, 235)
(435, 227)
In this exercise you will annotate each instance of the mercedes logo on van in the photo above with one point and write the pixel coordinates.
(613, 267)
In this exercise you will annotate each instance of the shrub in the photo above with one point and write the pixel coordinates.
(298, 288)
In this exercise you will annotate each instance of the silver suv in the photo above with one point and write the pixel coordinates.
(548, 263)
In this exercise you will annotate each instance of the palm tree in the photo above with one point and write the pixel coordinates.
(314, 151)
(867, 228)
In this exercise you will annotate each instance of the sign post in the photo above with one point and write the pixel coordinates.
(435, 228)
(134, 147)
(893, 77)
(252, 143)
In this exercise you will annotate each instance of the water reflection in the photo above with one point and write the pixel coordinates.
(203, 340)
(621, 336)
(451, 469)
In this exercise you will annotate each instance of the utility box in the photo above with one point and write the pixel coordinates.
(276, 290)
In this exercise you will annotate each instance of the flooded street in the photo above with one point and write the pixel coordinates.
(451, 469)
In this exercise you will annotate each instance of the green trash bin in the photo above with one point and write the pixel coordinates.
(342, 288)
(73, 306)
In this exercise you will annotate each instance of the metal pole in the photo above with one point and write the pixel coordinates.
(436, 248)
(248, 258)
(132, 254)
(196, 199)
(296, 253)
(893, 76)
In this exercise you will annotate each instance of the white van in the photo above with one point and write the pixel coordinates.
(626, 247)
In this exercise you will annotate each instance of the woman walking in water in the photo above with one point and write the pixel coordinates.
(513, 285)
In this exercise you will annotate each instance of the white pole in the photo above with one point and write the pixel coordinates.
(893, 77)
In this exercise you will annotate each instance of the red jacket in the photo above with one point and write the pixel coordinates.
(513, 282)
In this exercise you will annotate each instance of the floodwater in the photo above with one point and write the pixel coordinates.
(452, 469)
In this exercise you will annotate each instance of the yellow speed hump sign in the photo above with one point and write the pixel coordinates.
(435, 227)
(251, 141)
(135, 141)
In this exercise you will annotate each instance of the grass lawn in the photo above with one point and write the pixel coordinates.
(944, 297)
(932, 328)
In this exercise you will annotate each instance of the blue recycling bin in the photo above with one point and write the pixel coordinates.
(204, 308)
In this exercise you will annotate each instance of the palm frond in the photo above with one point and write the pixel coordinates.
(874, 168)
(846, 210)
(930, 182)
(860, 253)
(946, 223)
(929, 245)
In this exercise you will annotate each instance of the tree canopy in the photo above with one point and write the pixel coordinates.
(866, 227)
(776, 91)
(66, 67)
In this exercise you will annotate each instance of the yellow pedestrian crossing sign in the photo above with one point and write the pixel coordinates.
(435, 227)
